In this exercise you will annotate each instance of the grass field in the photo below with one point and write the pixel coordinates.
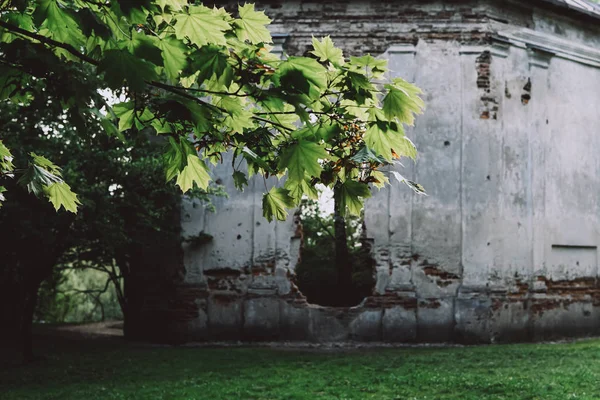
(103, 370)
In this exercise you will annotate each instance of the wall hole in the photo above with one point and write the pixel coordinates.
(526, 96)
(506, 91)
(447, 143)
(322, 277)
(239, 237)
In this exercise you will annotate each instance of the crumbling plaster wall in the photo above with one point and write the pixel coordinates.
(503, 248)
(512, 176)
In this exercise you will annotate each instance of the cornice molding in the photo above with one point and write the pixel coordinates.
(542, 42)
(401, 49)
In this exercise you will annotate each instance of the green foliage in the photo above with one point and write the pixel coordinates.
(275, 203)
(60, 194)
(252, 25)
(75, 296)
(387, 140)
(43, 177)
(201, 26)
(302, 158)
(402, 101)
(351, 195)
(205, 77)
(195, 172)
(6, 165)
(120, 65)
(174, 58)
(127, 214)
(326, 51)
(317, 274)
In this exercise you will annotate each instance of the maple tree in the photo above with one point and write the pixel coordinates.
(208, 82)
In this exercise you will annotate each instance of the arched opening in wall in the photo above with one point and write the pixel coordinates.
(336, 267)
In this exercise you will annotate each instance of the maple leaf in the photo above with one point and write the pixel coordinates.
(201, 26)
(417, 187)
(282, 117)
(326, 51)
(297, 189)
(43, 162)
(209, 61)
(173, 5)
(275, 204)
(251, 25)
(61, 26)
(143, 46)
(195, 171)
(173, 54)
(302, 157)
(120, 65)
(240, 180)
(385, 137)
(402, 101)
(303, 75)
(5, 158)
(378, 67)
(60, 194)
(175, 160)
(352, 194)
(365, 154)
(238, 118)
(126, 114)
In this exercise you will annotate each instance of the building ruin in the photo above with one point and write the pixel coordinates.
(505, 246)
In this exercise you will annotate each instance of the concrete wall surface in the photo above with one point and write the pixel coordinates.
(505, 245)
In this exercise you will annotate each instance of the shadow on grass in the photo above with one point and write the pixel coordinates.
(110, 368)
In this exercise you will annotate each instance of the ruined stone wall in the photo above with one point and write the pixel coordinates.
(505, 245)
(503, 248)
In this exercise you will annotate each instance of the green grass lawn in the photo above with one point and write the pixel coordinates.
(106, 370)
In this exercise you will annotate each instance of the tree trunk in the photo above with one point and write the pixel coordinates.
(18, 306)
(11, 312)
(19, 289)
(26, 334)
(342, 254)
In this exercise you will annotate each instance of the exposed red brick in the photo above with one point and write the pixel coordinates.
(390, 300)
(434, 270)
(429, 303)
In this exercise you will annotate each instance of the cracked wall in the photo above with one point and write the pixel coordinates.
(503, 248)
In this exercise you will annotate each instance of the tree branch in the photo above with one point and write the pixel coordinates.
(160, 85)
(180, 92)
(325, 227)
(49, 42)
(235, 94)
(272, 123)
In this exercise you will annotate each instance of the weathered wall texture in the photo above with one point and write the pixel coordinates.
(504, 248)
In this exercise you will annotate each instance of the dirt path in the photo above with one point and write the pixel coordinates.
(95, 330)
(112, 332)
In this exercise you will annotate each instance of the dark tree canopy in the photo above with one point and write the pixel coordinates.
(207, 81)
